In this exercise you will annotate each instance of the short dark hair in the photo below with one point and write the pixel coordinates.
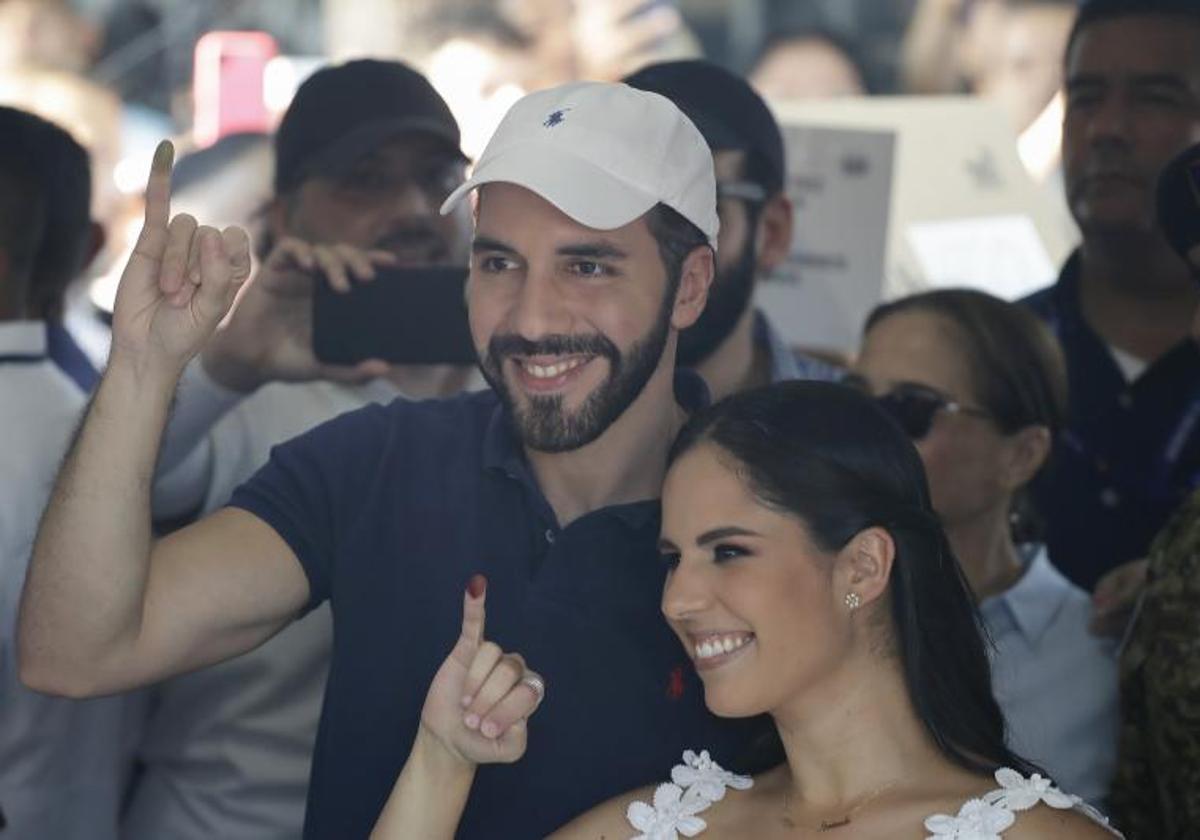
(829, 456)
(65, 170)
(1098, 11)
(22, 203)
(676, 237)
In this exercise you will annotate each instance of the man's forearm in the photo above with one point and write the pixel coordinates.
(84, 592)
(430, 794)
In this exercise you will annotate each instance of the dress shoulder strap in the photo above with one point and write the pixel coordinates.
(695, 785)
(989, 816)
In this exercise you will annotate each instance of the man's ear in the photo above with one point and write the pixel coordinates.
(695, 278)
(774, 233)
(1028, 450)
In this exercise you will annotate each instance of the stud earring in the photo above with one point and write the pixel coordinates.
(853, 601)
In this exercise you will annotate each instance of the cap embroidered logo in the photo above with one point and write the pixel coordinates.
(556, 117)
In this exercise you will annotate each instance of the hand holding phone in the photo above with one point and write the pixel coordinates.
(268, 337)
(415, 316)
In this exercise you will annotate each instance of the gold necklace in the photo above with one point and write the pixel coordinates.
(830, 825)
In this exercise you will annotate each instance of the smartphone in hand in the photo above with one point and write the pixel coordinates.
(413, 316)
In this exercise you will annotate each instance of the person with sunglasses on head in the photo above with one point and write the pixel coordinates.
(979, 385)
(809, 579)
(734, 345)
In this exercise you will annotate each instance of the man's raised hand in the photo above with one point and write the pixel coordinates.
(180, 281)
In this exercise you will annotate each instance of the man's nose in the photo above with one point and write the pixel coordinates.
(539, 309)
(1112, 120)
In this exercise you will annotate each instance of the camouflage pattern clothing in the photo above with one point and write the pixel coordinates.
(1156, 793)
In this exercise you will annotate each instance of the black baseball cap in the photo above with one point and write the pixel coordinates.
(342, 112)
(728, 112)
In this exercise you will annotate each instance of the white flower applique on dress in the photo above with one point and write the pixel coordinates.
(989, 816)
(695, 785)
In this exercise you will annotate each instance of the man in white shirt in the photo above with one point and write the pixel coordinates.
(364, 158)
(63, 763)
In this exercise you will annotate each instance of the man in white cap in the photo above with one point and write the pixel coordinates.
(593, 248)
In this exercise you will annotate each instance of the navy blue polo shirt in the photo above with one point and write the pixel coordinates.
(390, 509)
(1130, 454)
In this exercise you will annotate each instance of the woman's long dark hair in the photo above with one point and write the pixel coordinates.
(831, 457)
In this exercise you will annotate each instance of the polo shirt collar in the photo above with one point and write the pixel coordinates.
(22, 341)
(503, 452)
(1036, 599)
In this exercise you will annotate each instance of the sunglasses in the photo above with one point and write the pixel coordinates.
(914, 407)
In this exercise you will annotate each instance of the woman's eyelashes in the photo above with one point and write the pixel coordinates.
(721, 553)
(724, 552)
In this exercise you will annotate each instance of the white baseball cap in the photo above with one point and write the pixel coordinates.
(602, 153)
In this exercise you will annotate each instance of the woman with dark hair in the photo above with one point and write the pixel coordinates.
(808, 578)
(979, 385)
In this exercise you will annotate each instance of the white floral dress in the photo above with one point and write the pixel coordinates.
(699, 782)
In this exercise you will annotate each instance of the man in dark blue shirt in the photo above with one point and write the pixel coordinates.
(595, 229)
(1125, 307)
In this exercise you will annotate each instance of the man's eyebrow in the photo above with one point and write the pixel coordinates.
(1138, 80)
(481, 244)
(1159, 80)
(593, 250)
(1085, 81)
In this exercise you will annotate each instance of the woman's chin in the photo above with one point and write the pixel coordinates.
(726, 703)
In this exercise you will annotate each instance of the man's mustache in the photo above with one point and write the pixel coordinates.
(511, 344)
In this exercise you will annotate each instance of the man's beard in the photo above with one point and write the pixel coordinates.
(728, 298)
(543, 423)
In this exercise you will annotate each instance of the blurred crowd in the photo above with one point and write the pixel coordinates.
(1059, 434)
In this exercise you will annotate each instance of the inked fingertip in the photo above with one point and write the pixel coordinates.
(164, 154)
(476, 586)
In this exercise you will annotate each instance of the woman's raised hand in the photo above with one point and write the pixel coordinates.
(481, 697)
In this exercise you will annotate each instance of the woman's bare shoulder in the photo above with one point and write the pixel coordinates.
(1045, 823)
(607, 821)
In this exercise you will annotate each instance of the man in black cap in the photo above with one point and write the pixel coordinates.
(364, 157)
(733, 345)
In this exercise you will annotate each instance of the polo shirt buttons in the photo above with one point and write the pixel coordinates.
(1109, 497)
(1125, 400)
(550, 536)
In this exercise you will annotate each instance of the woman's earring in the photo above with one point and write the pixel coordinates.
(852, 600)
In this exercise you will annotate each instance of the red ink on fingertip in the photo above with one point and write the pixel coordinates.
(476, 586)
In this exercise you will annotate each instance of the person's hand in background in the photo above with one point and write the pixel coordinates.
(1115, 598)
